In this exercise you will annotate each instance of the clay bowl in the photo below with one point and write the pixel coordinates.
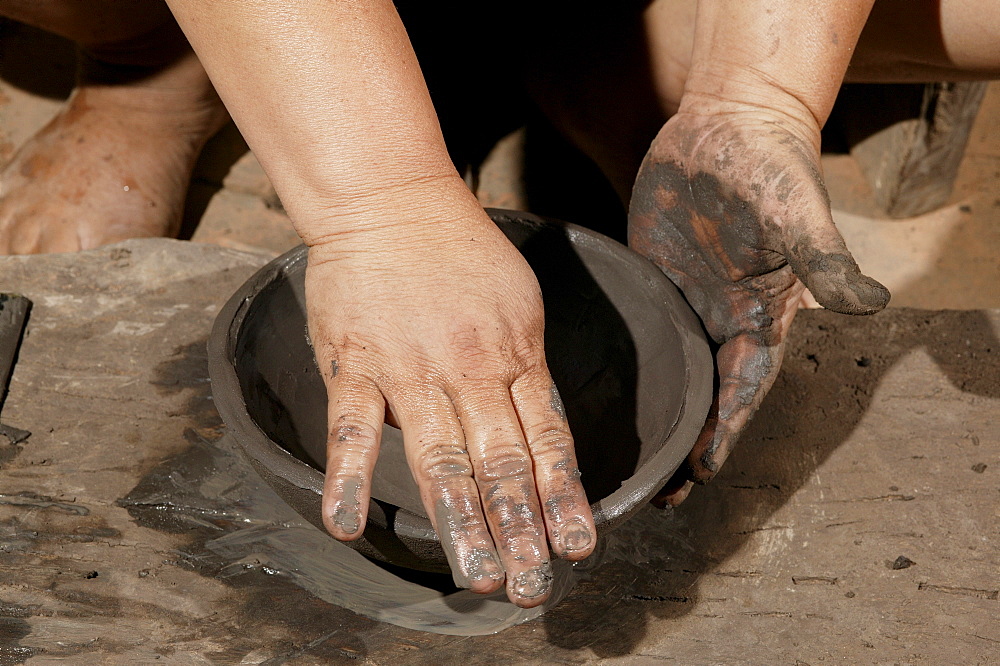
(626, 352)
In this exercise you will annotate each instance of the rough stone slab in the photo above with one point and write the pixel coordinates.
(880, 439)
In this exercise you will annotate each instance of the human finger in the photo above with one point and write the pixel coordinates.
(355, 414)
(746, 371)
(675, 492)
(435, 451)
(819, 257)
(747, 366)
(503, 471)
(566, 511)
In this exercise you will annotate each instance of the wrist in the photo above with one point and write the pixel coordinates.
(424, 207)
(750, 49)
(732, 96)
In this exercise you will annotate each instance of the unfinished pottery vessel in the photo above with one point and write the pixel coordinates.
(628, 355)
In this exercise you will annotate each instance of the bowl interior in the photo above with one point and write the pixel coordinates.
(619, 342)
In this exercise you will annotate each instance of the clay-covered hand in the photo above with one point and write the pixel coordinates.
(442, 325)
(732, 207)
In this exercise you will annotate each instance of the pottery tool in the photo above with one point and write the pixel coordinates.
(13, 317)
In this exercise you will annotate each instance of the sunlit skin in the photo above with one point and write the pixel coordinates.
(420, 311)
(116, 161)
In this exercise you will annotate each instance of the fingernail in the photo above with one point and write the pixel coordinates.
(347, 518)
(347, 515)
(533, 582)
(574, 537)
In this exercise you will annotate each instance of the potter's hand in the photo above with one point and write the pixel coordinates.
(415, 299)
(444, 326)
(731, 206)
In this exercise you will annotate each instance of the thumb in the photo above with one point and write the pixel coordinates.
(823, 262)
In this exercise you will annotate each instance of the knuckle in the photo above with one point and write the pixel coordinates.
(528, 349)
(443, 462)
(460, 506)
(513, 518)
(507, 462)
(350, 433)
(496, 349)
(476, 342)
(551, 439)
(468, 337)
(555, 455)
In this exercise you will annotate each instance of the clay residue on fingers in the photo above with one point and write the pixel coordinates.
(837, 283)
(532, 584)
(570, 535)
(470, 567)
(556, 403)
(574, 537)
(347, 515)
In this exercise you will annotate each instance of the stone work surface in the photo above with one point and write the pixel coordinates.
(857, 523)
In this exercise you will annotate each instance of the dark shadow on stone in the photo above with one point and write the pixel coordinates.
(171, 499)
(187, 370)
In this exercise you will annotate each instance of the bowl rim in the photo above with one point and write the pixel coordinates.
(610, 511)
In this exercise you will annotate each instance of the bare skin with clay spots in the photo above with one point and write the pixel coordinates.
(472, 568)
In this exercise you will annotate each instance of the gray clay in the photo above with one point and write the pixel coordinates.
(627, 354)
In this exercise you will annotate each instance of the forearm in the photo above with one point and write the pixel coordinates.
(330, 98)
(789, 54)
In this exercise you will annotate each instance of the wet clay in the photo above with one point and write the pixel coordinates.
(627, 355)
(346, 516)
